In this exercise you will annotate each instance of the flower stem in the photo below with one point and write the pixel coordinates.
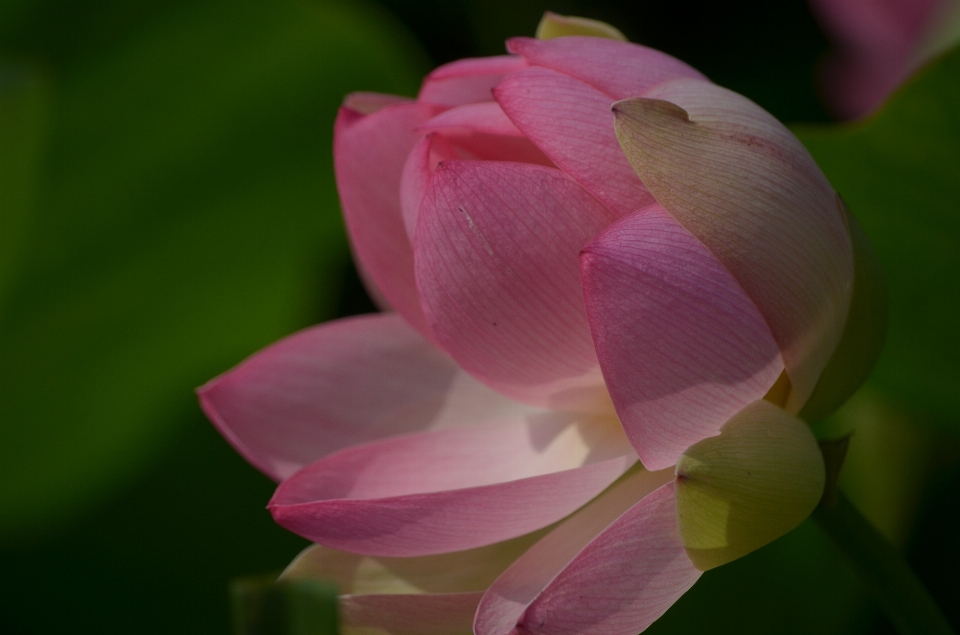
(882, 569)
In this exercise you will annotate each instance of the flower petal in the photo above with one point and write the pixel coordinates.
(368, 103)
(681, 345)
(339, 384)
(454, 489)
(570, 121)
(486, 117)
(428, 595)
(618, 69)
(498, 272)
(553, 25)
(755, 481)
(863, 334)
(369, 154)
(417, 174)
(741, 183)
(611, 569)
(468, 80)
(457, 572)
(484, 131)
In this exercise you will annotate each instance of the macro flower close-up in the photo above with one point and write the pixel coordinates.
(479, 317)
(611, 286)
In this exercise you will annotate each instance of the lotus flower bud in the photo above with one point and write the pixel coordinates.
(594, 256)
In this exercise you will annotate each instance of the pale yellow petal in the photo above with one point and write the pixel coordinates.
(755, 481)
(553, 25)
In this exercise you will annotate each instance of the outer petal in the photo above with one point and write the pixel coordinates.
(364, 103)
(483, 131)
(497, 267)
(454, 489)
(749, 485)
(429, 595)
(570, 121)
(681, 345)
(486, 117)
(467, 81)
(340, 384)
(377, 146)
(585, 578)
(417, 174)
(619, 69)
(740, 182)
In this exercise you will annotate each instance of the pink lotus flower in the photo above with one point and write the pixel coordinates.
(878, 44)
(595, 255)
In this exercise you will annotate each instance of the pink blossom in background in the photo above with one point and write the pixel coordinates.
(877, 45)
(593, 255)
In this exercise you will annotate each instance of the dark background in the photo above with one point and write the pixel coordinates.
(187, 217)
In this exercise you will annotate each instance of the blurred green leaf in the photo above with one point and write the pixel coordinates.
(899, 171)
(187, 216)
(263, 606)
(24, 110)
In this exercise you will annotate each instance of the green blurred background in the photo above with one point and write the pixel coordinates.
(167, 207)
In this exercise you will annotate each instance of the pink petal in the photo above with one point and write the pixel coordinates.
(682, 347)
(368, 103)
(618, 69)
(571, 122)
(369, 155)
(486, 117)
(741, 183)
(483, 131)
(623, 581)
(417, 173)
(340, 384)
(468, 80)
(498, 271)
(454, 489)
(613, 568)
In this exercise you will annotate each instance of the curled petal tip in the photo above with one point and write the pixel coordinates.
(639, 107)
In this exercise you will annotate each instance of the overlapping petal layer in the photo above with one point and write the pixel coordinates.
(454, 489)
(685, 348)
(417, 174)
(740, 182)
(571, 122)
(618, 69)
(612, 568)
(429, 595)
(467, 81)
(339, 384)
(483, 131)
(379, 144)
(755, 481)
(498, 271)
